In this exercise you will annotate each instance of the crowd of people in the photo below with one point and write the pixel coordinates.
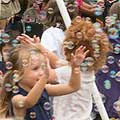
(47, 70)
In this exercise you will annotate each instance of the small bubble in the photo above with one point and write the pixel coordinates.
(70, 45)
(112, 73)
(79, 35)
(25, 62)
(105, 69)
(8, 87)
(110, 59)
(71, 8)
(9, 65)
(84, 67)
(117, 76)
(50, 10)
(28, 28)
(89, 61)
(98, 11)
(15, 89)
(113, 33)
(5, 37)
(32, 115)
(15, 77)
(43, 66)
(47, 106)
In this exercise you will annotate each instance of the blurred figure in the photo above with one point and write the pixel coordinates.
(115, 9)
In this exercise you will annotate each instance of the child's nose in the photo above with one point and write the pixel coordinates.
(41, 72)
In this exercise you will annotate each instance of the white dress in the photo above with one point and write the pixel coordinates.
(78, 105)
(52, 39)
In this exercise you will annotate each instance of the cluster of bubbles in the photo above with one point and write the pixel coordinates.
(112, 73)
(95, 45)
(46, 106)
(116, 50)
(13, 87)
(113, 26)
(5, 38)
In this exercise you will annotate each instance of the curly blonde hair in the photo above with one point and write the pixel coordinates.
(83, 32)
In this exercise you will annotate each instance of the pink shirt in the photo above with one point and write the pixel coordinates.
(79, 2)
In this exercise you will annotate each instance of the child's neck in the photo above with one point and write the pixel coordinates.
(25, 87)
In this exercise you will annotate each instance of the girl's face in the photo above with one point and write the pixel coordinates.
(33, 69)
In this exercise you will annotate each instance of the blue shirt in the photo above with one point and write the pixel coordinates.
(41, 110)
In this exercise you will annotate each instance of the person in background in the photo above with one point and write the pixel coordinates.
(52, 38)
(86, 9)
(114, 9)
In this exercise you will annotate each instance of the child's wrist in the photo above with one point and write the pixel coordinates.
(76, 69)
(77, 65)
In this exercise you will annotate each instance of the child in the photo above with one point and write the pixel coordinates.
(25, 89)
(78, 105)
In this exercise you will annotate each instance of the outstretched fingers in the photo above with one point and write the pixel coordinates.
(23, 38)
(86, 52)
(81, 50)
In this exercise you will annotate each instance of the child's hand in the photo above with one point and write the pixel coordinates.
(25, 39)
(79, 56)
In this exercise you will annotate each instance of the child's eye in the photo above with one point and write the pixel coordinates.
(35, 68)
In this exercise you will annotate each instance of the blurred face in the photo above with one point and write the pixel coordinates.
(33, 69)
(40, 4)
(5, 52)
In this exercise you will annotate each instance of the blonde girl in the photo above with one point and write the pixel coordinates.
(25, 92)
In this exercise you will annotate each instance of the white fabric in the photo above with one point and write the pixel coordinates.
(78, 105)
(52, 39)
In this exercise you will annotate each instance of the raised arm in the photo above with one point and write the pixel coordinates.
(74, 83)
(21, 103)
(35, 41)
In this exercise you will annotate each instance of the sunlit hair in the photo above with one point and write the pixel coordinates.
(83, 32)
(16, 57)
(55, 17)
